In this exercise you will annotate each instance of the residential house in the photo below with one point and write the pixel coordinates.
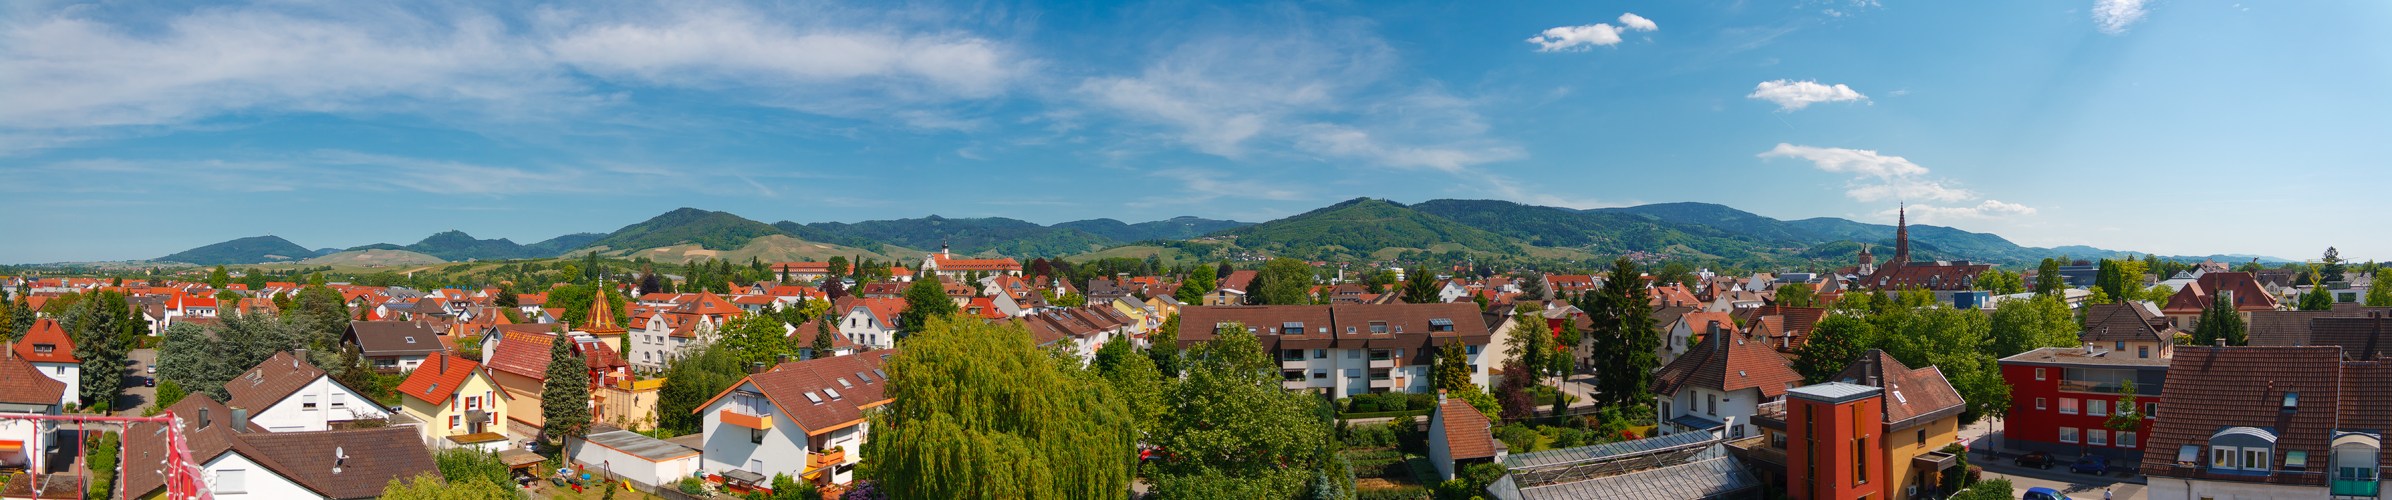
(50, 351)
(1721, 383)
(393, 346)
(2130, 329)
(2269, 422)
(1231, 289)
(1349, 349)
(287, 394)
(455, 404)
(1888, 421)
(238, 458)
(669, 334)
(518, 363)
(805, 419)
(802, 271)
(2240, 289)
(1690, 329)
(945, 265)
(2062, 399)
(869, 322)
(24, 444)
(1565, 286)
(2293, 328)
(1460, 436)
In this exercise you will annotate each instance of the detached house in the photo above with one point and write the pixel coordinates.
(665, 335)
(2270, 422)
(49, 350)
(2240, 289)
(869, 322)
(456, 403)
(945, 265)
(518, 363)
(1719, 382)
(393, 345)
(240, 459)
(1232, 289)
(805, 419)
(287, 394)
(23, 390)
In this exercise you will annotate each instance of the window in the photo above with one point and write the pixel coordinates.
(2222, 457)
(340, 401)
(2038, 374)
(1860, 459)
(1320, 374)
(61, 369)
(2126, 439)
(1471, 350)
(307, 402)
(1320, 354)
(2096, 407)
(1664, 409)
(232, 481)
(2121, 346)
(2040, 404)
(755, 436)
(2097, 437)
(1922, 438)
(1353, 373)
(1378, 327)
(1353, 353)
(2291, 399)
(2150, 410)
(2143, 351)
(2067, 406)
(2296, 460)
(452, 421)
(1711, 404)
(2254, 459)
(2068, 435)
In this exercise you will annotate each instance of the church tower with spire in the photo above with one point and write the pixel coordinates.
(1901, 237)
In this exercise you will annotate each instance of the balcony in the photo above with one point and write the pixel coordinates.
(749, 418)
(837, 455)
(1381, 383)
(2354, 488)
(2105, 387)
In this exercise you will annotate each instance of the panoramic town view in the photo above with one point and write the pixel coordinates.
(1806, 249)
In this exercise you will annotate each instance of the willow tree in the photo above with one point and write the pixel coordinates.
(978, 411)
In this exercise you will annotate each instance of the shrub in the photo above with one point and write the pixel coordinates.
(1420, 401)
(1403, 493)
(691, 485)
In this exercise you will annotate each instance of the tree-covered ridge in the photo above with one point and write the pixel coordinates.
(453, 245)
(1362, 226)
(999, 235)
(708, 229)
(1175, 228)
(1596, 231)
(250, 250)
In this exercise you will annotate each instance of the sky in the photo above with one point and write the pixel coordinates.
(131, 130)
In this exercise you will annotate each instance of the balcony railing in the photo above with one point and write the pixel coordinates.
(2354, 488)
(2106, 387)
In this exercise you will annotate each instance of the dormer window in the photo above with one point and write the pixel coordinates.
(2245, 450)
(1378, 327)
(2291, 399)
(44, 348)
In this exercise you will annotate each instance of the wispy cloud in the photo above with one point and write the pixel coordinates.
(1879, 178)
(2114, 16)
(1792, 95)
(1203, 185)
(1586, 36)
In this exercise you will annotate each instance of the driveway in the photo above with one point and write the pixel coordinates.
(137, 396)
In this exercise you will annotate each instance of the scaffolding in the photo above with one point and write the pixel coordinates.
(183, 477)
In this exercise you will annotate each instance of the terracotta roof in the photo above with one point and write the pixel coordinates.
(1466, 430)
(1731, 362)
(1912, 396)
(2290, 328)
(953, 265)
(2360, 338)
(22, 383)
(438, 378)
(1700, 322)
(794, 388)
(1924, 275)
(886, 309)
(1238, 280)
(1673, 295)
(2128, 322)
(377, 339)
(375, 457)
(2248, 294)
(1414, 327)
(207, 430)
(526, 354)
(46, 331)
(805, 334)
(2214, 388)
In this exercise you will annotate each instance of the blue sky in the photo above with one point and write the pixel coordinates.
(135, 129)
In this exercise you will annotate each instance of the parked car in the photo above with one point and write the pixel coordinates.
(149, 381)
(2042, 493)
(2039, 460)
(153, 369)
(2090, 464)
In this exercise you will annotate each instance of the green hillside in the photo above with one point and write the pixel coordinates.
(1175, 228)
(559, 245)
(707, 229)
(250, 250)
(997, 235)
(1363, 226)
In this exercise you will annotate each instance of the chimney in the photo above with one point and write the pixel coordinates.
(2221, 342)
(756, 368)
(240, 420)
(2375, 323)
(203, 418)
(443, 368)
(1440, 397)
(297, 355)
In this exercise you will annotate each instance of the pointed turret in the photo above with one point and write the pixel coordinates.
(1901, 236)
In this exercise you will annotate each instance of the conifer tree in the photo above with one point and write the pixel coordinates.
(565, 396)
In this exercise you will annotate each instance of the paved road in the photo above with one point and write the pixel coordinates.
(1996, 463)
(137, 396)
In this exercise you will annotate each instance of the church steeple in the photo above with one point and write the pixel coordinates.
(1901, 235)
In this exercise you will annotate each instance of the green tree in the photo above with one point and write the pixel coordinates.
(2048, 280)
(168, 394)
(1958, 342)
(1165, 349)
(1990, 489)
(2380, 296)
(1532, 285)
(1834, 342)
(1420, 288)
(1192, 290)
(1283, 281)
(2330, 267)
(1233, 433)
(1797, 295)
(924, 300)
(218, 278)
(2128, 415)
(565, 396)
(1530, 343)
(1626, 349)
(1451, 371)
(690, 381)
(2317, 298)
(430, 487)
(822, 336)
(1134, 377)
(204, 359)
(2000, 282)
(2220, 321)
(103, 327)
(977, 411)
(466, 465)
(757, 338)
(2024, 325)
(323, 314)
(2158, 294)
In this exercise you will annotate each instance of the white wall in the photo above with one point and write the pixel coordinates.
(597, 457)
(1739, 405)
(290, 414)
(257, 481)
(71, 374)
(34, 433)
(1439, 454)
(2169, 488)
(727, 447)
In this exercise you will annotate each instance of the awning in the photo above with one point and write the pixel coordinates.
(12, 446)
(517, 459)
(744, 477)
(1935, 460)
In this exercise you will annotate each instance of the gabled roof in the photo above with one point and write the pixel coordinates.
(377, 339)
(795, 387)
(2213, 388)
(1731, 362)
(22, 383)
(272, 381)
(2360, 338)
(1912, 396)
(1238, 280)
(438, 378)
(526, 354)
(1467, 434)
(2125, 322)
(46, 331)
(376, 456)
(886, 309)
(2292, 328)
(949, 264)
(2248, 294)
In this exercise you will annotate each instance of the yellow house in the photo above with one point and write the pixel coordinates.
(1922, 416)
(457, 402)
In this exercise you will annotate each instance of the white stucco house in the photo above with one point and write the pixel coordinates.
(804, 419)
(287, 394)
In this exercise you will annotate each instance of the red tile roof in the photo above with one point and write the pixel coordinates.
(1730, 362)
(2248, 294)
(1913, 396)
(2214, 388)
(438, 378)
(22, 383)
(796, 386)
(46, 331)
(1467, 434)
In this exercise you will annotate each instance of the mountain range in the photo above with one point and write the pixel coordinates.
(1357, 229)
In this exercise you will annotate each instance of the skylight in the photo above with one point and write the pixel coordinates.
(816, 398)
(843, 382)
(833, 392)
(863, 377)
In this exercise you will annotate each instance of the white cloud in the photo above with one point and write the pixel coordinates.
(1323, 93)
(1638, 23)
(2114, 16)
(1793, 95)
(1988, 209)
(68, 70)
(1878, 178)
